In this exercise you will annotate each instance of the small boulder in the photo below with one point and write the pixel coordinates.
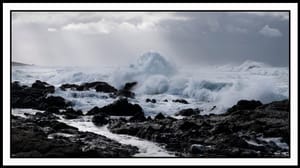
(104, 87)
(54, 110)
(197, 149)
(129, 85)
(126, 90)
(159, 116)
(138, 118)
(53, 101)
(69, 86)
(188, 112)
(150, 100)
(245, 105)
(43, 86)
(181, 101)
(100, 119)
(93, 111)
(70, 113)
(120, 107)
(126, 93)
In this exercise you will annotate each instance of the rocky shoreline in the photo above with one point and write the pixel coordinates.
(249, 129)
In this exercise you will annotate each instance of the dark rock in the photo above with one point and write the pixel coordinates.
(188, 112)
(138, 118)
(120, 107)
(245, 105)
(186, 125)
(104, 87)
(159, 116)
(100, 119)
(98, 86)
(126, 90)
(214, 107)
(129, 86)
(53, 101)
(69, 86)
(93, 111)
(221, 128)
(165, 100)
(43, 86)
(30, 97)
(125, 93)
(29, 140)
(218, 135)
(150, 100)
(81, 88)
(181, 101)
(70, 113)
(197, 149)
(54, 110)
(283, 105)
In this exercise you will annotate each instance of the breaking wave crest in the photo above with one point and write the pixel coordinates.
(156, 75)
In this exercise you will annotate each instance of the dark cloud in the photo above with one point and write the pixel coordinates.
(224, 38)
(197, 38)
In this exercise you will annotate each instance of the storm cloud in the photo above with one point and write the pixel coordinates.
(118, 38)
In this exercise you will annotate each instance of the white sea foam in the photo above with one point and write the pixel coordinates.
(276, 140)
(159, 79)
(23, 112)
(146, 148)
(85, 100)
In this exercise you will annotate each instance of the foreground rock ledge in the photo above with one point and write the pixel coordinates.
(41, 136)
(244, 131)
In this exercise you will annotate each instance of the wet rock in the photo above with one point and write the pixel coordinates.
(120, 107)
(70, 113)
(188, 112)
(197, 149)
(30, 97)
(245, 105)
(28, 139)
(181, 101)
(130, 85)
(93, 111)
(138, 118)
(277, 106)
(150, 101)
(54, 110)
(220, 135)
(43, 86)
(98, 86)
(100, 119)
(69, 86)
(53, 102)
(159, 116)
(126, 91)
(104, 87)
(214, 107)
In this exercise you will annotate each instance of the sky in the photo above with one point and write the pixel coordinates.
(118, 38)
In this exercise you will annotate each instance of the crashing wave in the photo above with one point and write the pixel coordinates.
(147, 65)
(157, 77)
(255, 68)
(153, 63)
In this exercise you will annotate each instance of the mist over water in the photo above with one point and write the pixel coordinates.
(161, 79)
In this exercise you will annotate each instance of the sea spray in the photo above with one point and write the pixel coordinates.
(158, 78)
